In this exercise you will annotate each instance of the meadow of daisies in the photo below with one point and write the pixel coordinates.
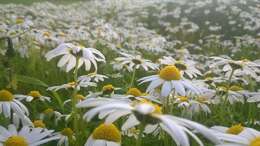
(130, 73)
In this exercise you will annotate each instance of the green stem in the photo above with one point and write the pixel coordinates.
(56, 95)
(133, 78)
(229, 84)
(139, 140)
(74, 101)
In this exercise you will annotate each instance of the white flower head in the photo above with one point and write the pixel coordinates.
(10, 104)
(133, 62)
(71, 53)
(169, 79)
(27, 136)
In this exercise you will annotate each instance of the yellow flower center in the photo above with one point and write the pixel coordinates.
(79, 97)
(208, 80)
(48, 111)
(180, 65)
(19, 20)
(235, 129)
(108, 89)
(107, 132)
(235, 88)
(38, 124)
(47, 34)
(183, 98)
(72, 84)
(235, 65)
(202, 99)
(67, 132)
(134, 91)
(5, 95)
(222, 88)
(35, 94)
(255, 142)
(62, 34)
(16, 141)
(169, 73)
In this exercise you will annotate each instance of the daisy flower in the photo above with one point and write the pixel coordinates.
(234, 93)
(200, 103)
(39, 124)
(188, 67)
(25, 137)
(92, 77)
(182, 101)
(149, 113)
(34, 95)
(51, 113)
(9, 105)
(105, 135)
(239, 67)
(133, 62)
(169, 79)
(78, 98)
(72, 85)
(234, 129)
(64, 136)
(254, 97)
(72, 52)
(248, 137)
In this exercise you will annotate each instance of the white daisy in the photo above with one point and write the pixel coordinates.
(240, 67)
(200, 103)
(50, 113)
(188, 67)
(25, 137)
(254, 97)
(169, 79)
(105, 135)
(72, 85)
(248, 137)
(144, 112)
(64, 137)
(71, 53)
(133, 62)
(234, 94)
(234, 129)
(9, 105)
(92, 77)
(33, 95)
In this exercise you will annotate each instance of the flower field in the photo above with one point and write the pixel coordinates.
(130, 73)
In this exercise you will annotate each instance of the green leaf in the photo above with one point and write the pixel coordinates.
(30, 80)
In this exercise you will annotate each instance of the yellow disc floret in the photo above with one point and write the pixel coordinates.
(255, 142)
(5, 95)
(107, 132)
(19, 20)
(183, 98)
(38, 124)
(67, 132)
(79, 97)
(16, 141)
(108, 89)
(35, 94)
(134, 91)
(235, 129)
(48, 111)
(169, 73)
(235, 88)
